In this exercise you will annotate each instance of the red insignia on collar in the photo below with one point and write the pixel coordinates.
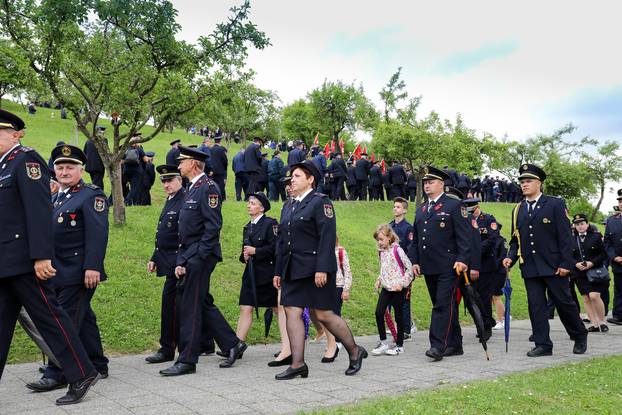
(437, 207)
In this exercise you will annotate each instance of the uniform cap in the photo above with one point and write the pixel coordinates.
(309, 167)
(68, 154)
(263, 199)
(579, 217)
(531, 171)
(172, 143)
(167, 171)
(191, 153)
(453, 193)
(10, 120)
(432, 173)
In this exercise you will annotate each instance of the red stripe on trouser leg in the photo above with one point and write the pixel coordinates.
(75, 356)
(451, 314)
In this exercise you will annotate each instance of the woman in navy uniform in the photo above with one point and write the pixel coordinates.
(306, 267)
(27, 236)
(258, 253)
(164, 258)
(80, 218)
(542, 244)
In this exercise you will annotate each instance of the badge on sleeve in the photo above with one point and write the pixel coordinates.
(100, 204)
(493, 226)
(213, 201)
(275, 230)
(33, 170)
(463, 211)
(328, 211)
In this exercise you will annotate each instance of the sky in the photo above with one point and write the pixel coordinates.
(512, 69)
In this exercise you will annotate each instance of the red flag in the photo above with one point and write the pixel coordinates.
(384, 168)
(315, 140)
(365, 150)
(332, 146)
(326, 151)
(373, 158)
(342, 146)
(357, 152)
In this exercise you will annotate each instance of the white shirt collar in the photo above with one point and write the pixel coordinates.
(536, 199)
(8, 152)
(302, 196)
(196, 179)
(436, 200)
(254, 221)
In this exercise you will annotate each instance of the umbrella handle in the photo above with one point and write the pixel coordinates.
(466, 278)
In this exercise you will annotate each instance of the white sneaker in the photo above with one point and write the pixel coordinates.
(499, 326)
(381, 348)
(394, 351)
(413, 328)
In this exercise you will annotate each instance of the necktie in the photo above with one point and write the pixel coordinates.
(530, 207)
(59, 198)
(431, 204)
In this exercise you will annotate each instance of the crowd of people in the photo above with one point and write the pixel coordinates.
(294, 266)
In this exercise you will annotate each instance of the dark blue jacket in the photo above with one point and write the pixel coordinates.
(307, 234)
(275, 168)
(200, 221)
(320, 163)
(262, 236)
(167, 235)
(171, 157)
(442, 236)
(489, 234)
(397, 175)
(237, 164)
(219, 160)
(94, 161)
(404, 231)
(26, 231)
(476, 246)
(362, 168)
(339, 168)
(252, 158)
(613, 240)
(295, 156)
(375, 177)
(80, 220)
(208, 161)
(351, 176)
(545, 238)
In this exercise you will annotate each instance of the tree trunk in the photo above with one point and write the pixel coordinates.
(118, 208)
(419, 196)
(600, 200)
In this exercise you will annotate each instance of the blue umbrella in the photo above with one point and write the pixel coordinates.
(507, 291)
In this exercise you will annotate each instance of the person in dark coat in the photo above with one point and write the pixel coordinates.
(173, 153)
(338, 174)
(386, 183)
(542, 244)
(253, 165)
(305, 269)
(200, 222)
(148, 179)
(464, 184)
(411, 186)
(375, 181)
(133, 160)
(219, 164)
(441, 247)
(275, 174)
(164, 258)
(297, 155)
(589, 253)
(28, 251)
(613, 245)
(351, 182)
(320, 162)
(262, 182)
(239, 169)
(95, 166)
(397, 176)
(258, 253)
(80, 239)
(362, 167)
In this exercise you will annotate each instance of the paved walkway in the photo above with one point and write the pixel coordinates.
(249, 387)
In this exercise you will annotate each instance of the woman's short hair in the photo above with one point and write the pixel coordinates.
(307, 174)
(386, 230)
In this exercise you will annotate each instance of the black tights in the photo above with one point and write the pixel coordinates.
(396, 300)
(331, 321)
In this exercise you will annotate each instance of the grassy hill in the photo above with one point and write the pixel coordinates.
(128, 304)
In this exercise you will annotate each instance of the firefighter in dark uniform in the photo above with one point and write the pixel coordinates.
(306, 266)
(375, 181)
(253, 164)
(95, 166)
(26, 257)
(361, 168)
(542, 244)
(398, 179)
(353, 190)
(80, 218)
(219, 164)
(338, 172)
(441, 247)
(164, 260)
(200, 221)
(488, 229)
(173, 153)
(613, 245)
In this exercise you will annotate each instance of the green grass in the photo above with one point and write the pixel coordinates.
(577, 388)
(128, 304)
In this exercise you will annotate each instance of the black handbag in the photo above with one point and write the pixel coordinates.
(597, 274)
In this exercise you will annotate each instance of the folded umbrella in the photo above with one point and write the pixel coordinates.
(267, 321)
(507, 292)
(473, 304)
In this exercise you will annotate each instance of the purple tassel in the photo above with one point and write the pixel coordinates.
(307, 320)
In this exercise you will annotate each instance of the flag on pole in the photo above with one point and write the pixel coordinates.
(332, 146)
(373, 158)
(316, 139)
(384, 168)
(357, 152)
(365, 150)
(342, 146)
(326, 151)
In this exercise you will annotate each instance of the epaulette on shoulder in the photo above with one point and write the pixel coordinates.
(25, 149)
(318, 194)
(92, 186)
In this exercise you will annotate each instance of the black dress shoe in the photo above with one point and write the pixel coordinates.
(46, 385)
(615, 320)
(580, 347)
(208, 352)
(453, 351)
(158, 357)
(285, 362)
(330, 359)
(593, 329)
(235, 353)
(222, 354)
(77, 390)
(302, 371)
(540, 351)
(179, 369)
(434, 353)
(604, 328)
(531, 338)
(356, 364)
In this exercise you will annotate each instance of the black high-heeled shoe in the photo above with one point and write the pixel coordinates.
(331, 359)
(284, 362)
(302, 371)
(356, 364)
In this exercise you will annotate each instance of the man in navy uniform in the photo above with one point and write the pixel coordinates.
(173, 153)
(398, 179)
(252, 164)
(542, 244)
(337, 173)
(80, 218)
(239, 169)
(133, 161)
(613, 245)
(219, 164)
(375, 181)
(361, 168)
(95, 166)
(26, 258)
(351, 183)
(439, 250)
(200, 221)
(297, 155)
(164, 260)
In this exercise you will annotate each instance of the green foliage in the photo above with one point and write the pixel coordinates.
(298, 121)
(392, 93)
